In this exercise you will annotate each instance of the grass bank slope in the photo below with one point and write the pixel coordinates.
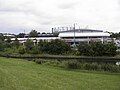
(16, 74)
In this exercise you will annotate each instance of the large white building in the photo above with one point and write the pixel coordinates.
(84, 35)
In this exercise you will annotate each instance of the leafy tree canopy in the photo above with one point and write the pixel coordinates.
(33, 33)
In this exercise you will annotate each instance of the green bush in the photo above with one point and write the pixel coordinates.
(29, 44)
(48, 62)
(110, 67)
(97, 49)
(39, 61)
(2, 47)
(34, 50)
(110, 49)
(91, 66)
(12, 50)
(52, 63)
(21, 50)
(87, 66)
(74, 64)
(55, 47)
(16, 43)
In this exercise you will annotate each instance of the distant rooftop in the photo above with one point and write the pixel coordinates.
(82, 30)
(76, 30)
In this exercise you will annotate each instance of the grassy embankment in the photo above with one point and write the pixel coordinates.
(16, 74)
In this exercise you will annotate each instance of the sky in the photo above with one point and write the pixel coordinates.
(17, 16)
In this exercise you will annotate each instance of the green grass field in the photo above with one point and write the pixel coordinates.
(16, 74)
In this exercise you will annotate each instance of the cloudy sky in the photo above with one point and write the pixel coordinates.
(19, 15)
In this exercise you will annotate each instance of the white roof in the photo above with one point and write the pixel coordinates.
(37, 38)
(92, 34)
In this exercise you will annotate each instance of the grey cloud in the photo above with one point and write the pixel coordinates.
(46, 23)
(67, 5)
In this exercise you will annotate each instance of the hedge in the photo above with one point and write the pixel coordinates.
(60, 57)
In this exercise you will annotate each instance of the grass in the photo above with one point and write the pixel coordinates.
(17, 74)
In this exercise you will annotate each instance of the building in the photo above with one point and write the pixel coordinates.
(9, 35)
(73, 36)
(36, 39)
(84, 35)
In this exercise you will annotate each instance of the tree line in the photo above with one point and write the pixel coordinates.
(115, 35)
(34, 33)
(57, 47)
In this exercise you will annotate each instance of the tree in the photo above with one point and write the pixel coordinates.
(21, 35)
(1, 45)
(43, 33)
(84, 49)
(35, 50)
(21, 49)
(33, 33)
(110, 49)
(115, 35)
(1, 37)
(8, 40)
(97, 49)
(8, 43)
(16, 43)
(55, 34)
(29, 44)
(1, 42)
(54, 47)
(43, 46)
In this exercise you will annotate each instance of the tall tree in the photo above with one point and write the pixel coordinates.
(1, 37)
(21, 35)
(115, 35)
(33, 33)
(1, 42)
(29, 45)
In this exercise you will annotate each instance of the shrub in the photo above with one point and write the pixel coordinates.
(2, 46)
(54, 47)
(29, 45)
(39, 61)
(16, 43)
(110, 49)
(91, 66)
(74, 64)
(84, 49)
(43, 46)
(52, 63)
(87, 66)
(11, 50)
(48, 62)
(21, 50)
(34, 50)
(97, 49)
(110, 67)
(71, 64)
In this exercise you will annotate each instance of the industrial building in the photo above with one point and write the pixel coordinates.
(74, 36)
(84, 35)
